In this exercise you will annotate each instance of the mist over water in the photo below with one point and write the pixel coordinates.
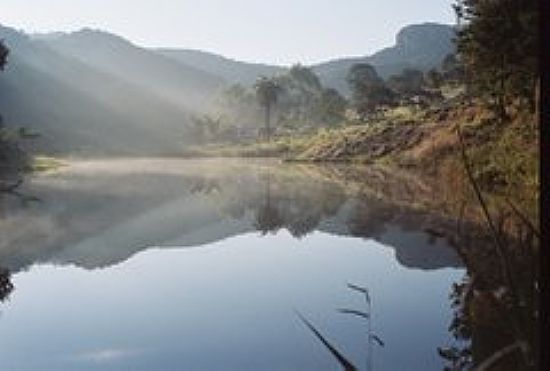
(164, 207)
(116, 98)
(131, 204)
(164, 264)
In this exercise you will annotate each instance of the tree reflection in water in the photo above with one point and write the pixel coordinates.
(493, 315)
(6, 286)
(294, 205)
(496, 319)
(268, 217)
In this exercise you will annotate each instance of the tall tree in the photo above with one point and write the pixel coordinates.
(267, 91)
(13, 160)
(239, 106)
(300, 95)
(434, 78)
(452, 69)
(10, 154)
(4, 51)
(368, 89)
(409, 82)
(498, 44)
(6, 285)
(332, 106)
(268, 216)
(305, 79)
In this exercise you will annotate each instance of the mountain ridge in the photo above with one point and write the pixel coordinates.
(244, 73)
(413, 48)
(182, 84)
(115, 97)
(422, 46)
(91, 111)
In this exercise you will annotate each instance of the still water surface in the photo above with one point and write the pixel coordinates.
(203, 265)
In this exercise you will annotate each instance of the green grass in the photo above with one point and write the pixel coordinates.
(504, 157)
(402, 113)
(509, 165)
(277, 147)
(450, 91)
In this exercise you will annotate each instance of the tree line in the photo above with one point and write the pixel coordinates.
(13, 159)
(498, 47)
(297, 101)
(495, 63)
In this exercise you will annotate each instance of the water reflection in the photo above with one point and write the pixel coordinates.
(496, 320)
(224, 306)
(226, 249)
(101, 213)
(268, 217)
(6, 286)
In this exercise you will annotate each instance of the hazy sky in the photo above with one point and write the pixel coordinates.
(281, 31)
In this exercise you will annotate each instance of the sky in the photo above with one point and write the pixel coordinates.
(276, 32)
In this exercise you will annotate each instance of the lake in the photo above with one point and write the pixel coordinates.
(169, 264)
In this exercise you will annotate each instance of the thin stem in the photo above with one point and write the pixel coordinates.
(496, 239)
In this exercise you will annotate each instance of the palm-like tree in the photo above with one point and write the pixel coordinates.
(267, 91)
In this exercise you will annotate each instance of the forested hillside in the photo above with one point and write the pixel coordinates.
(79, 109)
(182, 84)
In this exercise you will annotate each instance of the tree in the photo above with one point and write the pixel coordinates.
(267, 91)
(11, 155)
(368, 89)
(239, 106)
(206, 128)
(498, 44)
(302, 101)
(332, 106)
(434, 78)
(6, 286)
(305, 79)
(300, 96)
(4, 51)
(268, 216)
(235, 94)
(408, 83)
(452, 69)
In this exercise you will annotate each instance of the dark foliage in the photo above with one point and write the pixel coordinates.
(368, 90)
(12, 157)
(407, 83)
(498, 46)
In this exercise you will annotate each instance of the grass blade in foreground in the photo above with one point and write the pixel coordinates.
(347, 365)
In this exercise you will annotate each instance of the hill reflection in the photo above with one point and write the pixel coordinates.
(99, 213)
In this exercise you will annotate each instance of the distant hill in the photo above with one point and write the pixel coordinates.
(183, 84)
(94, 93)
(80, 109)
(233, 71)
(420, 46)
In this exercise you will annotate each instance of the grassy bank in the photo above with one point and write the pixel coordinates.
(285, 147)
(504, 156)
